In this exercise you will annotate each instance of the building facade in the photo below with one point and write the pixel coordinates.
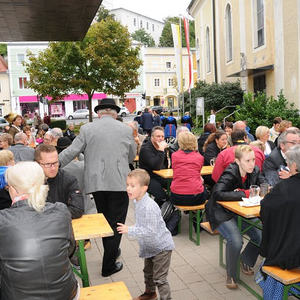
(134, 21)
(255, 41)
(160, 78)
(4, 88)
(25, 100)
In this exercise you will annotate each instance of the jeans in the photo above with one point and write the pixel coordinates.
(156, 270)
(230, 232)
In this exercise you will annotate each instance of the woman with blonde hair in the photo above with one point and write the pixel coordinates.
(263, 135)
(36, 240)
(234, 184)
(6, 140)
(187, 186)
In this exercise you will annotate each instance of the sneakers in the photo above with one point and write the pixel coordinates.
(231, 284)
(246, 269)
(147, 296)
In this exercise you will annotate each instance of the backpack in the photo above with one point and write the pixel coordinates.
(171, 216)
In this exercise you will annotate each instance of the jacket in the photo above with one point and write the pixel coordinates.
(212, 151)
(34, 253)
(22, 152)
(272, 165)
(151, 159)
(109, 148)
(201, 141)
(226, 157)
(224, 190)
(280, 216)
(64, 188)
(146, 121)
(186, 173)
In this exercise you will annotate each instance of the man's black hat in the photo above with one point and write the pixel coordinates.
(107, 103)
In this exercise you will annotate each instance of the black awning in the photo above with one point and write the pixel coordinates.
(251, 72)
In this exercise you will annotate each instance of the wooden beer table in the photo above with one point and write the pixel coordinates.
(88, 227)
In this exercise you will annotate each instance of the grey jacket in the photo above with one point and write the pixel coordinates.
(108, 148)
(22, 152)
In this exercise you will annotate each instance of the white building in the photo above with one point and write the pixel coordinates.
(135, 21)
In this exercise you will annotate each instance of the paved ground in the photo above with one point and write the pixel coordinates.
(194, 273)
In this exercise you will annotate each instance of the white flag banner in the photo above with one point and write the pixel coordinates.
(178, 54)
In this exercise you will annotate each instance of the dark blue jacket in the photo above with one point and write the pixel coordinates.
(147, 121)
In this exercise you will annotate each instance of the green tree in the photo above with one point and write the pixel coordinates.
(144, 37)
(3, 49)
(261, 110)
(103, 61)
(166, 38)
(103, 13)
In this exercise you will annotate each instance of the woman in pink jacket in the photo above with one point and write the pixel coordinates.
(187, 187)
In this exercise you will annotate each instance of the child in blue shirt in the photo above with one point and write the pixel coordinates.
(155, 240)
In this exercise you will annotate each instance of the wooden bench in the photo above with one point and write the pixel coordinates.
(108, 291)
(206, 227)
(195, 216)
(287, 277)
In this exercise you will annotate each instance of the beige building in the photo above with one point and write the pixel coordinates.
(159, 71)
(4, 88)
(256, 41)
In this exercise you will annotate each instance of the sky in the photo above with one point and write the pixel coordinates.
(156, 9)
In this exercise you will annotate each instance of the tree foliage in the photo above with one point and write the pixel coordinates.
(166, 38)
(103, 13)
(3, 49)
(103, 61)
(261, 110)
(144, 37)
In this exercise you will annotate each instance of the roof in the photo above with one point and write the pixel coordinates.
(3, 65)
(121, 8)
(44, 20)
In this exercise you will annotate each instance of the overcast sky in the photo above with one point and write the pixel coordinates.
(156, 9)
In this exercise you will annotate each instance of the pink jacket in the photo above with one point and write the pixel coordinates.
(186, 173)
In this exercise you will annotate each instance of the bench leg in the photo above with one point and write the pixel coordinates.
(179, 224)
(198, 215)
(286, 292)
(83, 266)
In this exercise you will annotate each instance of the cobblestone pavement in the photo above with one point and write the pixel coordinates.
(194, 273)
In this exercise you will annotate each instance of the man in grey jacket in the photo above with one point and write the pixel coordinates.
(108, 147)
(21, 150)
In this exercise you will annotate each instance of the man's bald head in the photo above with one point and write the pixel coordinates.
(239, 125)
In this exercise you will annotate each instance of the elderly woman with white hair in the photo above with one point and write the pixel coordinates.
(36, 239)
(262, 133)
(280, 216)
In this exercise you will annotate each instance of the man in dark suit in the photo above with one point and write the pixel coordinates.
(274, 167)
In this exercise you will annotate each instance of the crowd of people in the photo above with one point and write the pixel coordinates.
(69, 175)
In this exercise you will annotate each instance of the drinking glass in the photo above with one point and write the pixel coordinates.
(254, 191)
(264, 189)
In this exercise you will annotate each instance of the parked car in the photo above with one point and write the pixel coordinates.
(3, 123)
(158, 109)
(81, 114)
(123, 112)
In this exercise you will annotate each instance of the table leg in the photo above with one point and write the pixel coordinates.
(83, 265)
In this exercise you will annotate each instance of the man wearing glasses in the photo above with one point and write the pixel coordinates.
(63, 187)
(275, 166)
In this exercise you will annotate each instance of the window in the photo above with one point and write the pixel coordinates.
(208, 67)
(198, 68)
(168, 64)
(141, 24)
(228, 26)
(147, 25)
(22, 82)
(152, 27)
(20, 58)
(134, 22)
(170, 82)
(156, 82)
(259, 23)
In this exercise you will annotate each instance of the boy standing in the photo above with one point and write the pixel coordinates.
(155, 240)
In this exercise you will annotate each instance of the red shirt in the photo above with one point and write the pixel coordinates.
(186, 173)
(226, 157)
